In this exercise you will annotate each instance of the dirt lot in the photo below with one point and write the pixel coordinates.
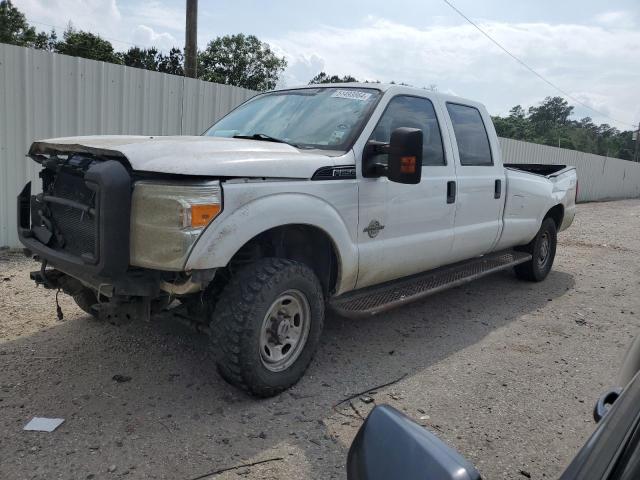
(505, 371)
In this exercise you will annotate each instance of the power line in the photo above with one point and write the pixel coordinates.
(521, 62)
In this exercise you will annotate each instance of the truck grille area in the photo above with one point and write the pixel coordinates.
(76, 230)
(81, 219)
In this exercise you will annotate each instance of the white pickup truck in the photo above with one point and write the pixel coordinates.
(359, 197)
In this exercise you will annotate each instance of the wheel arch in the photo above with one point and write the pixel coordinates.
(557, 214)
(303, 243)
(261, 221)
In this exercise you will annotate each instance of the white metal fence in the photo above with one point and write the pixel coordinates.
(44, 95)
(599, 178)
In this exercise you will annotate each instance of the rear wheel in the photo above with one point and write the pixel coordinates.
(543, 250)
(267, 324)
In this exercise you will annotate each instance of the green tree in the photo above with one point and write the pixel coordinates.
(550, 123)
(552, 110)
(172, 63)
(14, 28)
(146, 58)
(46, 41)
(240, 60)
(322, 77)
(78, 43)
(548, 118)
(152, 59)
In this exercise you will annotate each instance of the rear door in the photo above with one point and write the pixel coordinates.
(480, 181)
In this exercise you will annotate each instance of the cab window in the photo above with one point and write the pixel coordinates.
(413, 112)
(471, 135)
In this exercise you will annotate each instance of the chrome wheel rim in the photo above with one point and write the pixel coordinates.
(285, 330)
(545, 247)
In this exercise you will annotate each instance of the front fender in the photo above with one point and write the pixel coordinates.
(222, 239)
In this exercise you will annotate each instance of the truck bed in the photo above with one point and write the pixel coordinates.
(537, 168)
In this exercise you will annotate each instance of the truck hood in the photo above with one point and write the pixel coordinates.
(190, 155)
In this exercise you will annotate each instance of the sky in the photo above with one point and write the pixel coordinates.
(588, 48)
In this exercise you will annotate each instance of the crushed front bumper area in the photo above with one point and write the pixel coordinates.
(137, 283)
(118, 299)
(137, 293)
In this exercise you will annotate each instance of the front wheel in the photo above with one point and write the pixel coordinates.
(86, 298)
(543, 250)
(267, 324)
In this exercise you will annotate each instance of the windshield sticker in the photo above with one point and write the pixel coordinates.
(352, 95)
(336, 137)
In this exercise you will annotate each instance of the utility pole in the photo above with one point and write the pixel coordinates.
(191, 40)
(635, 155)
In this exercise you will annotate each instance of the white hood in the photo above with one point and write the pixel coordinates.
(207, 156)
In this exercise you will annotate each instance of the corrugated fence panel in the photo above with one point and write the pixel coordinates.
(45, 95)
(600, 178)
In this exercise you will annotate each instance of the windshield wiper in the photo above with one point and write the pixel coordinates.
(265, 138)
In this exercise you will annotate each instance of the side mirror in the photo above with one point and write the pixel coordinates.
(389, 446)
(605, 402)
(630, 367)
(404, 151)
(405, 155)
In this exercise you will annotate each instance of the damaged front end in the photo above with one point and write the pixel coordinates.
(80, 227)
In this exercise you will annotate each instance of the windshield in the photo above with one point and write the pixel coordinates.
(326, 118)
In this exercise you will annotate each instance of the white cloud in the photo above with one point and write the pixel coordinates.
(616, 19)
(144, 36)
(301, 69)
(596, 101)
(93, 15)
(144, 24)
(601, 65)
(153, 12)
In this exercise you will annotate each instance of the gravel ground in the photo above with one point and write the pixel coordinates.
(505, 371)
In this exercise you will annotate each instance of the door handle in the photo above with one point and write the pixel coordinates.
(451, 192)
(497, 190)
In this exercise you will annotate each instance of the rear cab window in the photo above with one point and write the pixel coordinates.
(471, 135)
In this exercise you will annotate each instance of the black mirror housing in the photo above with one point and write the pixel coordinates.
(605, 402)
(405, 155)
(390, 446)
(404, 164)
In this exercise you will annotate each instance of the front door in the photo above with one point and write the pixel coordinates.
(406, 229)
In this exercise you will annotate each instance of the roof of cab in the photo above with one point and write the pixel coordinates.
(383, 87)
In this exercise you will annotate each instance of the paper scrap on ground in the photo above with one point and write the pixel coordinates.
(41, 424)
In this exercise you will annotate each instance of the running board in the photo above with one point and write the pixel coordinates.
(379, 298)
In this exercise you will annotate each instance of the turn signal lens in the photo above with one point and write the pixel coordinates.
(408, 165)
(202, 214)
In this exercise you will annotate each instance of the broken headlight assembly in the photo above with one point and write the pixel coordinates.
(167, 218)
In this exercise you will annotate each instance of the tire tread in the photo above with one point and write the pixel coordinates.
(528, 271)
(236, 304)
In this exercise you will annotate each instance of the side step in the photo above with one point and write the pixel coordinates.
(378, 298)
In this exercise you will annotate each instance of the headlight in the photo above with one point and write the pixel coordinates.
(167, 218)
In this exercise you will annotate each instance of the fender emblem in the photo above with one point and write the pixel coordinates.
(373, 228)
